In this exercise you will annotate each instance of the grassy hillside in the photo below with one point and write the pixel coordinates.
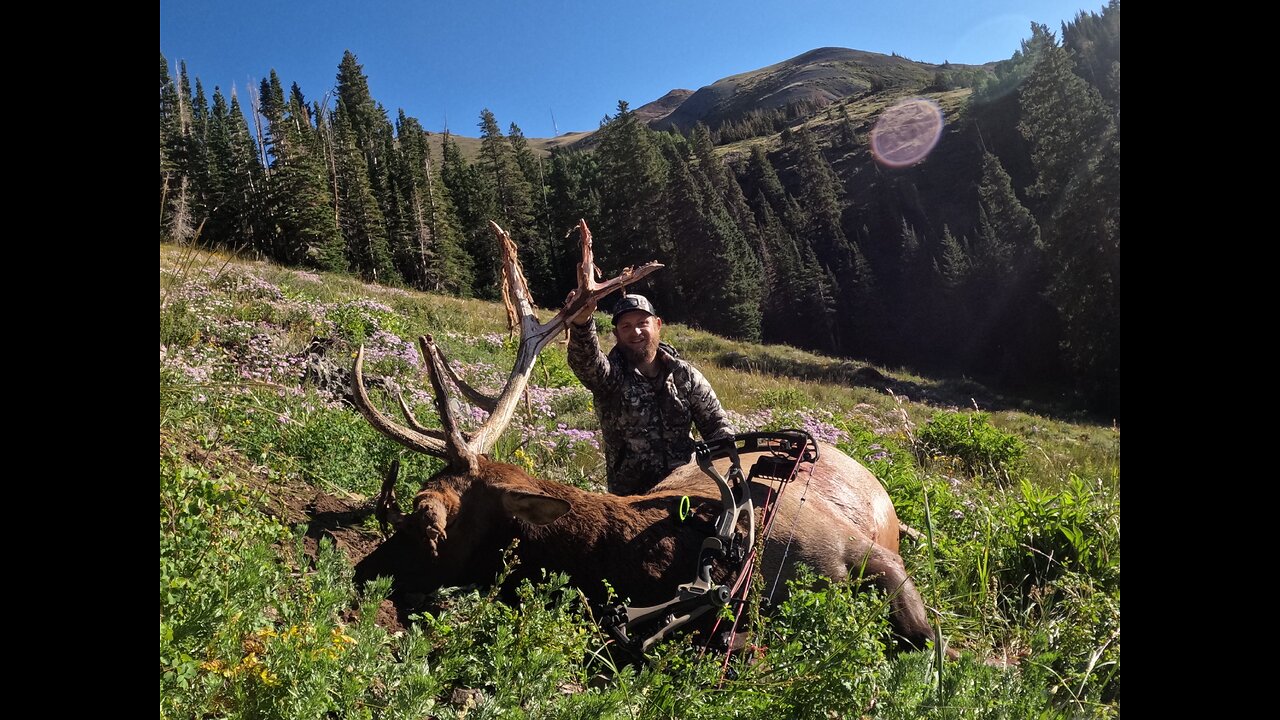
(264, 481)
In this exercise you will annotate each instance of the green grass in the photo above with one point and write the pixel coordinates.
(1019, 556)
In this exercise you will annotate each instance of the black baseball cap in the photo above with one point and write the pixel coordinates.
(632, 302)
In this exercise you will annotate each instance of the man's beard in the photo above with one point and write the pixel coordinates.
(640, 353)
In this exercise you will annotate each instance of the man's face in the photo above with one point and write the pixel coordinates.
(638, 333)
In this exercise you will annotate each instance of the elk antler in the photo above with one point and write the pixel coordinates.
(534, 336)
(417, 438)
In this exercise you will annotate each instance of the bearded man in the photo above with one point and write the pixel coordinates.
(646, 397)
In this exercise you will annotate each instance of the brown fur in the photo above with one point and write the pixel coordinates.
(842, 519)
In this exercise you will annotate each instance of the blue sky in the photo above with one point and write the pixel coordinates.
(446, 60)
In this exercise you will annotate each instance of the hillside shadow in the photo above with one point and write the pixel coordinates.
(940, 393)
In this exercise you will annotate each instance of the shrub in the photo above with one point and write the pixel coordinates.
(972, 439)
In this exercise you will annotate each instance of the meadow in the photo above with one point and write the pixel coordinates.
(1017, 554)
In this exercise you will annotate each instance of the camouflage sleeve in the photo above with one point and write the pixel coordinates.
(586, 359)
(708, 415)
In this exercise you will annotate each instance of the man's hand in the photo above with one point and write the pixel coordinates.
(588, 310)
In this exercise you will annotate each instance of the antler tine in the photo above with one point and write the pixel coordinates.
(515, 288)
(413, 421)
(457, 451)
(385, 508)
(474, 396)
(515, 291)
(412, 439)
(588, 289)
(535, 336)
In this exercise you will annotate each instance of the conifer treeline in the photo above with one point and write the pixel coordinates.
(770, 248)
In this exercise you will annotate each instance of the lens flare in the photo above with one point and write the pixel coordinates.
(906, 133)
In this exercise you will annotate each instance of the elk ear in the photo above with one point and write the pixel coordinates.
(534, 508)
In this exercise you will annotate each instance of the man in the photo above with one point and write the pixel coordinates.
(645, 396)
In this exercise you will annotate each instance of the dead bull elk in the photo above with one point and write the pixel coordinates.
(465, 515)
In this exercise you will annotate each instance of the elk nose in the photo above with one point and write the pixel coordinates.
(434, 537)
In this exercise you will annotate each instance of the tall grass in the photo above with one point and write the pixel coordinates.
(1018, 555)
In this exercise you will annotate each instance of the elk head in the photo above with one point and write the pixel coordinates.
(472, 492)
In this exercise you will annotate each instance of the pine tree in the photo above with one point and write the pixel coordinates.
(1075, 148)
(526, 159)
(911, 288)
(725, 185)
(1063, 118)
(177, 221)
(820, 198)
(372, 135)
(405, 238)
(789, 310)
(475, 207)
(719, 276)
(867, 317)
(821, 210)
(439, 262)
(200, 164)
(1007, 253)
(513, 201)
(633, 229)
(172, 149)
(245, 184)
(362, 222)
(763, 176)
(1010, 219)
(848, 133)
(958, 293)
(545, 279)
(572, 180)
(955, 265)
(303, 228)
(510, 189)
(1094, 41)
(233, 175)
(367, 122)
(802, 305)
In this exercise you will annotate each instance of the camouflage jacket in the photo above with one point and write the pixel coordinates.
(645, 421)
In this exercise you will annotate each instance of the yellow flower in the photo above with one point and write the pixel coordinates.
(523, 459)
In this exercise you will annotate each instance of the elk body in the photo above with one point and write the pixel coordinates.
(836, 517)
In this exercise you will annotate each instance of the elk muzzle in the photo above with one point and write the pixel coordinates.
(432, 511)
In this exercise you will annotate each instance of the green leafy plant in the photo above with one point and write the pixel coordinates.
(973, 440)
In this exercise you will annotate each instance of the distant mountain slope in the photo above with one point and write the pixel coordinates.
(663, 106)
(818, 77)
